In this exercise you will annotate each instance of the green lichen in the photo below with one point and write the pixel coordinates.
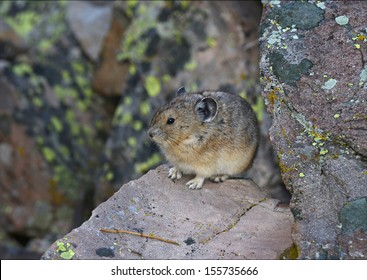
(152, 86)
(353, 216)
(128, 101)
(65, 250)
(81, 105)
(166, 78)
(363, 75)
(287, 72)
(134, 46)
(22, 69)
(147, 165)
(259, 108)
(56, 124)
(329, 84)
(342, 20)
(109, 176)
(137, 125)
(301, 14)
(49, 154)
(321, 5)
(211, 42)
(323, 151)
(145, 108)
(37, 101)
(279, 36)
(273, 96)
(185, 4)
(23, 22)
(191, 65)
(284, 168)
(290, 253)
(132, 142)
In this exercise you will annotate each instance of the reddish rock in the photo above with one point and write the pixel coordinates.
(110, 76)
(230, 220)
(314, 82)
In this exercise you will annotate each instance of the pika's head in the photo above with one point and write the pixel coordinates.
(183, 121)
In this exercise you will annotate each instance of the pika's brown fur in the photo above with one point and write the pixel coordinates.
(211, 134)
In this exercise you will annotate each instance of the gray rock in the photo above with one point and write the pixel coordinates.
(314, 83)
(230, 220)
(90, 24)
(6, 154)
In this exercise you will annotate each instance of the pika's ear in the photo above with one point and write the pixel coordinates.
(180, 91)
(206, 109)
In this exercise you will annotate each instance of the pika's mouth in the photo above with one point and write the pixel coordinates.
(151, 133)
(155, 134)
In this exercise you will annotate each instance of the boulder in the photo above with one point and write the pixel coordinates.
(230, 220)
(90, 23)
(314, 83)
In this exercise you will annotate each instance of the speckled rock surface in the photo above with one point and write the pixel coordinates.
(230, 220)
(314, 81)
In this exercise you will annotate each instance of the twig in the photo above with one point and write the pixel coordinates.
(138, 234)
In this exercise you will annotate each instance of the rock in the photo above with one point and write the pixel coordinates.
(314, 82)
(24, 177)
(90, 23)
(110, 76)
(50, 130)
(230, 220)
(11, 44)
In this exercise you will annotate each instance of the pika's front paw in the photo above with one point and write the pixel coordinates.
(218, 179)
(195, 183)
(174, 173)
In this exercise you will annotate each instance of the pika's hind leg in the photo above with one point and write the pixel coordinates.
(174, 173)
(218, 179)
(195, 183)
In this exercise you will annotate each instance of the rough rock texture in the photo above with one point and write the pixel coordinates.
(314, 75)
(230, 220)
(48, 116)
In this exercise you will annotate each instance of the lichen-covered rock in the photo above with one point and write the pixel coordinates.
(11, 44)
(314, 82)
(48, 116)
(230, 220)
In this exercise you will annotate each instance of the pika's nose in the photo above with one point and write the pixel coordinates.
(150, 133)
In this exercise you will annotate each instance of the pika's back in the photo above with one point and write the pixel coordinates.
(207, 133)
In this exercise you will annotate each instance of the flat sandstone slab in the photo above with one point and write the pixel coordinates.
(230, 220)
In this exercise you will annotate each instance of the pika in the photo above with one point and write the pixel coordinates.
(211, 134)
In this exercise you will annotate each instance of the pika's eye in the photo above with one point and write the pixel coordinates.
(170, 121)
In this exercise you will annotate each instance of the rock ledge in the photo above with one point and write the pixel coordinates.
(230, 220)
